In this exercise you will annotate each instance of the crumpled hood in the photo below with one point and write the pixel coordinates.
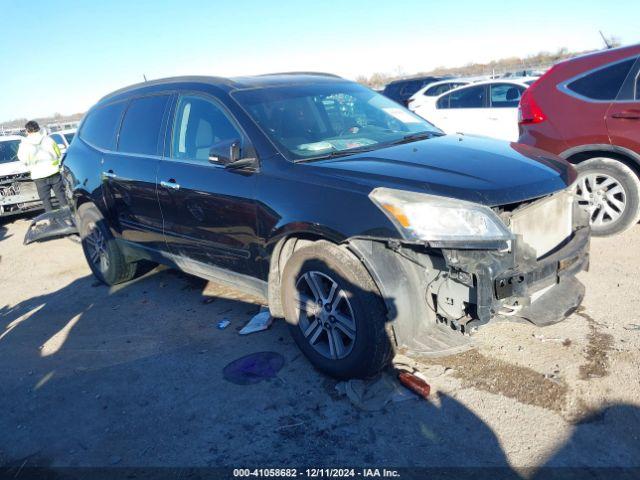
(477, 169)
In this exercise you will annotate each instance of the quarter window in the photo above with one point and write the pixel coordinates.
(141, 126)
(505, 95)
(199, 126)
(603, 84)
(99, 128)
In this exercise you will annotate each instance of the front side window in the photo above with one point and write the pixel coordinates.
(99, 128)
(69, 137)
(200, 126)
(472, 97)
(505, 95)
(141, 126)
(603, 84)
(308, 121)
(9, 151)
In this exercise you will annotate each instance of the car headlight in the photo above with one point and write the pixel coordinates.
(441, 221)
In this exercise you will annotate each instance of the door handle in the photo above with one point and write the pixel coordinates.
(627, 115)
(170, 184)
(109, 174)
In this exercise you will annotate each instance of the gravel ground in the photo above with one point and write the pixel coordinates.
(133, 376)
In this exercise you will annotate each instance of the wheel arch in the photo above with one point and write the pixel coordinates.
(80, 198)
(581, 153)
(282, 247)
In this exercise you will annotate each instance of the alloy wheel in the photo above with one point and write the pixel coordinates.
(325, 315)
(602, 196)
(97, 248)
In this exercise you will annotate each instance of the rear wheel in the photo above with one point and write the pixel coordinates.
(610, 191)
(335, 312)
(104, 256)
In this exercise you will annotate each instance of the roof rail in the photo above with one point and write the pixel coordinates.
(161, 81)
(320, 74)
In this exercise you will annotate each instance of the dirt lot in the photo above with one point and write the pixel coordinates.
(132, 376)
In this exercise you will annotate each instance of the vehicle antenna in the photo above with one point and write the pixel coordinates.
(604, 39)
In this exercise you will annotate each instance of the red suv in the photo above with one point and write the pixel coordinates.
(587, 110)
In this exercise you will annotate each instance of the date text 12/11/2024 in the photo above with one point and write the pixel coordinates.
(316, 473)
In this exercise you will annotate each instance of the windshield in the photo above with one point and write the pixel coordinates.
(9, 151)
(311, 121)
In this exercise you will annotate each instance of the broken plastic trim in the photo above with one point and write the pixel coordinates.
(58, 223)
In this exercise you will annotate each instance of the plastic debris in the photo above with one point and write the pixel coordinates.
(253, 368)
(222, 324)
(374, 395)
(259, 322)
(415, 384)
(631, 326)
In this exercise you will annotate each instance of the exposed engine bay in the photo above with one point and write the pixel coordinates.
(437, 297)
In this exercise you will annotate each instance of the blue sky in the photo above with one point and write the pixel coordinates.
(63, 55)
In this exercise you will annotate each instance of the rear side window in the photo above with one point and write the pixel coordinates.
(140, 132)
(391, 89)
(58, 139)
(603, 84)
(505, 95)
(409, 88)
(99, 128)
(440, 89)
(472, 97)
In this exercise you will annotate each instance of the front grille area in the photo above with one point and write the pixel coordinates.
(546, 223)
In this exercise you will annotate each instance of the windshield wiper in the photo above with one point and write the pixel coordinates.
(414, 137)
(339, 153)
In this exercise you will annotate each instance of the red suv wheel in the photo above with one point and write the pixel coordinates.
(587, 110)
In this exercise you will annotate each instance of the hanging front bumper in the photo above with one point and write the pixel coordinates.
(59, 223)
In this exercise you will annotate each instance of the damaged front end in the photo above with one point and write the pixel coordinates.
(439, 292)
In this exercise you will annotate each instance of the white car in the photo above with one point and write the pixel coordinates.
(9, 164)
(63, 138)
(431, 91)
(17, 192)
(488, 108)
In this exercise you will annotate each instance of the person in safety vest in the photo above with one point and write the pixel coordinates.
(41, 155)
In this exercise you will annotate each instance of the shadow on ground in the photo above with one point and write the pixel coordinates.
(132, 376)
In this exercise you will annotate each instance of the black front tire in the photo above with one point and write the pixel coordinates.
(373, 346)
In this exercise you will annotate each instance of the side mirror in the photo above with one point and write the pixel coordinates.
(225, 152)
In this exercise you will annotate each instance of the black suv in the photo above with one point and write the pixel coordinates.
(402, 90)
(361, 224)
